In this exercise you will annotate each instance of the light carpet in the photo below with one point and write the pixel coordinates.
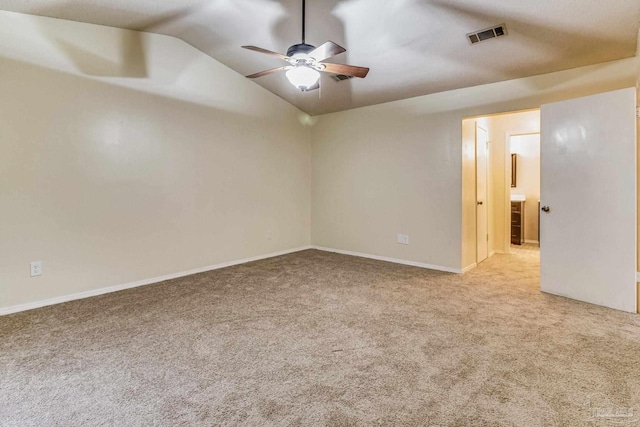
(321, 339)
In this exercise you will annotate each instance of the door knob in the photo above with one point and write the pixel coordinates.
(545, 209)
(480, 202)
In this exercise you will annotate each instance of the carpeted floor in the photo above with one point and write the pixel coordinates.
(322, 339)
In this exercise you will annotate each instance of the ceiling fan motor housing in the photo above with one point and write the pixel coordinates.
(301, 48)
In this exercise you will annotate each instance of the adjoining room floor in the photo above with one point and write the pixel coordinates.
(525, 247)
(316, 338)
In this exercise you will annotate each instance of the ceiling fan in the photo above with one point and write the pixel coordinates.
(306, 62)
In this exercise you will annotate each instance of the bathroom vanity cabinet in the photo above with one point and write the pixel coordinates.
(517, 222)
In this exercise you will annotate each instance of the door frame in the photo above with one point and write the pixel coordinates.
(507, 187)
(468, 186)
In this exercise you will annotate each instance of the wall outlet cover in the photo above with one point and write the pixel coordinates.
(402, 239)
(36, 268)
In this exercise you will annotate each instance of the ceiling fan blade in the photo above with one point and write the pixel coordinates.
(264, 73)
(326, 50)
(268, 52)
(347, 70)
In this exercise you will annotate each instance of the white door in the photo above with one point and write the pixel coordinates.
(482, 224)
(588, 184)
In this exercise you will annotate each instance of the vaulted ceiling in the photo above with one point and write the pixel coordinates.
(413, 47)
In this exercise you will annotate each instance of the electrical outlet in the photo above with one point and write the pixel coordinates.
(268, 235)
(36, 268)
(402, 239)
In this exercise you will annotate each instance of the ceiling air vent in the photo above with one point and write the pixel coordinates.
(340, 77)
(487, 33)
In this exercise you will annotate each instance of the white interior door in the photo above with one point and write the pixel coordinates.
(588, 183)
(482, 224)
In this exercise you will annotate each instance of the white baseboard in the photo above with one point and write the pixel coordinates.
(469, 267)
(532, 241)
(394, 260)
(95, 292)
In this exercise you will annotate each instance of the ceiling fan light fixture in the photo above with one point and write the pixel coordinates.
(303, 77)
(305, 62)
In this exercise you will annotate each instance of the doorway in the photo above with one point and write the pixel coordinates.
(587, 218)
(490, 232)
(523, 180)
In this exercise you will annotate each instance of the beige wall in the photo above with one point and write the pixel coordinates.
(373, 178)
(527, 150)
(127, 156)
(400, 167)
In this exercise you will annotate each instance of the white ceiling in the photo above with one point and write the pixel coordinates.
(413, 47)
